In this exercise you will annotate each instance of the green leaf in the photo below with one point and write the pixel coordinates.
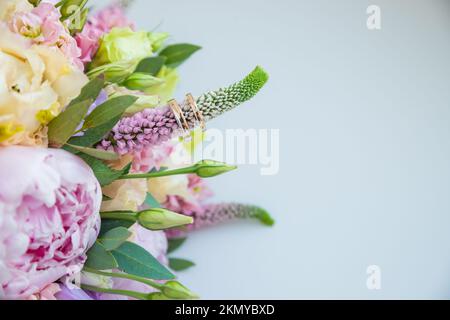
(90, 91)
(108, 110)
(104, 174)
(151, 65)
(180, 264)
(100, 259)
(176, 54)
(63, 126)
(175, 243)
(135, 260)
(151, 201)
(96, 153)
(94, 135)
(114, 238)
(109, 224)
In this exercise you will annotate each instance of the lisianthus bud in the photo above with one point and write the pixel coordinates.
(157, 296)
(141, 81)
(175, 290)
(114, 72)
(123, 44)
(161, 219)
(211, 168)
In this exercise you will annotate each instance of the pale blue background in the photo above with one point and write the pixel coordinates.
(365, 145)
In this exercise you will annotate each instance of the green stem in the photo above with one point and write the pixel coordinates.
(159, 173)
(128, 293)
(148, 282)
(119, 215)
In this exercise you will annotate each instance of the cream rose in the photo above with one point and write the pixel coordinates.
(36, 83)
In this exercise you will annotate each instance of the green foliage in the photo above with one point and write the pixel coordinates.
(65, 124)
(135, 260)
(63, 127)
(104, 174)
(151, 201)
(110, 224)
(176, 54)
(175, 243)
(96, 153)
(151, 65)
(180, 264)
(114, 238)
(108, 110)
(99, 258)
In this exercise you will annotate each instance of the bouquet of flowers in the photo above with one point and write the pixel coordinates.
(96, 183)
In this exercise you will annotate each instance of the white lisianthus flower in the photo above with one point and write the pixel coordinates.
(36, 83)
(9, 7)
(177, 185)
(125, 195)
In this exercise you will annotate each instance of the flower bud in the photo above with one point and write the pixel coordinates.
(211, 168)
(114, 72)
(141, 81)
(157, 296)
(175, 290)
(161, 219)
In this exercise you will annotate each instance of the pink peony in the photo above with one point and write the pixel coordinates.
(48, 293)
(49, 217)
(88, 40)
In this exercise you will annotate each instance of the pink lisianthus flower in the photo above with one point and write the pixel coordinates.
(198, 192)
(102, 22)
(43, 26)
(151, 157)
(88, 41)
(49, 217)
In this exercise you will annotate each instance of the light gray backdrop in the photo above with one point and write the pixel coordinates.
(365, 149)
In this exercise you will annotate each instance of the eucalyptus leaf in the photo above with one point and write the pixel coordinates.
(176, 54)
(96, 153)
(135, 260)
(104, 174)
(180, 264)
(108, 110)
(109, 224)
(94, 135)
(64, 126)
(151, 201)
(151, 65)
(175, 243)
(114, 238)
(90, 91)
(99, 258)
